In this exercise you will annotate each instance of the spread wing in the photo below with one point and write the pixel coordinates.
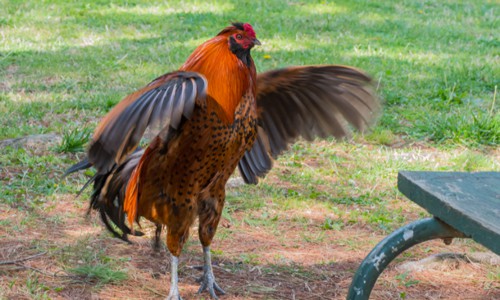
(161, 104)
(308, 102)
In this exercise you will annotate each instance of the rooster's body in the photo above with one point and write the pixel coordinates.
(212, 115)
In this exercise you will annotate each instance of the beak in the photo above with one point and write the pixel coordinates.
(256, 42)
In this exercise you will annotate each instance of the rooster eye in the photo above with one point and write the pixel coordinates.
(238, 36)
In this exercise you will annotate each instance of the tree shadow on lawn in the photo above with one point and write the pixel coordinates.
(178, 33)
(377, 38)
(89, 79)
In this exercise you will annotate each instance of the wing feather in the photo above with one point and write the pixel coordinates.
(257, 163)
(307, 102)
(162, 104)
(159, 114)
(178, 107)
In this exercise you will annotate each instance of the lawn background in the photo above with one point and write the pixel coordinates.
(63, 65)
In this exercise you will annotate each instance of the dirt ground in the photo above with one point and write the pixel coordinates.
(288, 262)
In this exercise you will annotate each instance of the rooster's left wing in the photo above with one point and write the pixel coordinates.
(306, 101)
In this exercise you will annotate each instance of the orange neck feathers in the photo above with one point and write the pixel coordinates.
(227, 76)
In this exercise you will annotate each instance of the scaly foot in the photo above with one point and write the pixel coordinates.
(208, 279)
(174, 287)
(174, 294)
(208, 283)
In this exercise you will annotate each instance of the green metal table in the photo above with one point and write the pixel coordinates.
(465, 205)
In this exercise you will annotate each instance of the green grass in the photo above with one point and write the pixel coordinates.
(36, 289)
(74, 140)
(29, 180)
(64, 64)
(93, 263)
(435, 63)
(103, 274)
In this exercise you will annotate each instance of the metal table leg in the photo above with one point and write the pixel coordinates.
(390, 247)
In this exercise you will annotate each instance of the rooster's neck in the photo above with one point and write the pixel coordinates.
(227, 76)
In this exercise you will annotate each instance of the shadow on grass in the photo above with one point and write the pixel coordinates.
(388, 40)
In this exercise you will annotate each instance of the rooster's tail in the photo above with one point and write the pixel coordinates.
(109, 193)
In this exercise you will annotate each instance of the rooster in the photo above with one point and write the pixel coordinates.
(211, 115)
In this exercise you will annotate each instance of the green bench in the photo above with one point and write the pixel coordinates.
(465, 205)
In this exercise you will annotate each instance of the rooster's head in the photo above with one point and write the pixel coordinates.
(241, 38)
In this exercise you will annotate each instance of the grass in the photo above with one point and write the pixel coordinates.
(85, 57)
(36, 289)
(29, 179)
(63, 65)
(103, 274)
(74, 140)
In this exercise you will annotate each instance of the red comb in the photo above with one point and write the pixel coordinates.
(249, 30)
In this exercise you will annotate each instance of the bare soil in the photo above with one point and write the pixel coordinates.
(290, 261)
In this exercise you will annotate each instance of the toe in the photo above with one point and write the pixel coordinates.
(202, 287)
(219, 289)
(212, 293)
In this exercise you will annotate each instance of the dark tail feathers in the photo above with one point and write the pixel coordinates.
(107, 199)
(109, 193)
(83, 165)
(80, 166)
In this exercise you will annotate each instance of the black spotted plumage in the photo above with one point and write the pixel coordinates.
(207, 118)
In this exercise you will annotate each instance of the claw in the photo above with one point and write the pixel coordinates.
(208, 283)
(219, 289)
(208, 279)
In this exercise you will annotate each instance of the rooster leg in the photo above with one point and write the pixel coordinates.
(157, 243)
(174, 287)
(208, 279)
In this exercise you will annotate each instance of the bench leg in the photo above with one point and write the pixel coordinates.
(390, 247)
